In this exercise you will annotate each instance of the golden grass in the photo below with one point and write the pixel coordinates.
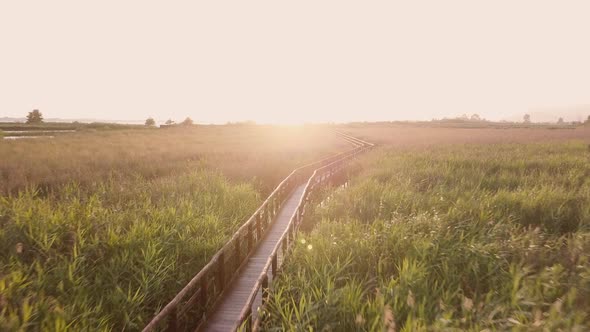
(119, 221)
(264, 154)
(466, 237)
(415, 136)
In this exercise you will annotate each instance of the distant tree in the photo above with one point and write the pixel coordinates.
(588, 120)
(527, 118)
(35, 117)
(169, 122)
(475, 117)
(560, 121)
(187, 122)
(150, 122)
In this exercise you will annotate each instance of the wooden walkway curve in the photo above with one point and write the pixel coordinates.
(226, 294)
(227, 313)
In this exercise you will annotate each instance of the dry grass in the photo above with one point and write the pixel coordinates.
(262, 154)
(148, 208)
(415, 136)
(467, 237)
(119, 221)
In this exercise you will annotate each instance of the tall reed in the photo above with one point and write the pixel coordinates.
(469, 237)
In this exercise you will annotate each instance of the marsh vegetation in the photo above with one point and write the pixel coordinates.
(442, 228)
(469, 237)
(99, 229)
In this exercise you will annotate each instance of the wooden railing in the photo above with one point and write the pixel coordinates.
(190, 306)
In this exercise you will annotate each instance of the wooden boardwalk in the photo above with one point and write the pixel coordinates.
(227, 313)
(227, 292)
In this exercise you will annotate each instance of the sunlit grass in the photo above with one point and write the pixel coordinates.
(110, 258)
(99, 230)
(468, 237)
(262, 154)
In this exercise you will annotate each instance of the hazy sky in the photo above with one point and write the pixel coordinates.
(292, 61)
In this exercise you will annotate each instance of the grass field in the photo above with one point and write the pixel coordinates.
(260, 154)
(100, 229)
(442, 228)
(438, 233)
(11, 126)
(400, 135)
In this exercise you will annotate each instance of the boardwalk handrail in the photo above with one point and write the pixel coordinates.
(204, 290)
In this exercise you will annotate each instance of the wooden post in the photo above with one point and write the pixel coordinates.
(269, 210)
(204, 293)
(285, 245)
(258, 227)
(274, 265)
(249, 235)
(274, 209)
(172, 321)
(280, 197)
(264, 288)
(238, 260)
(221, 270)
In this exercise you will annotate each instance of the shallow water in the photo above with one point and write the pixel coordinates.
(25, 137)
(38, 131)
